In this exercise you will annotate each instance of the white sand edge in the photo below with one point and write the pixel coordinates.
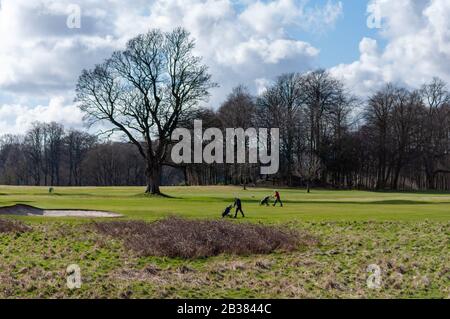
(78, 213)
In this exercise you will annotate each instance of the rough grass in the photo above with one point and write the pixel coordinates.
(189, 239)
(414, 259)
(11, 226)
(406, 234)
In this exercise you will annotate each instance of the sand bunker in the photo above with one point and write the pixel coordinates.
(25, 210)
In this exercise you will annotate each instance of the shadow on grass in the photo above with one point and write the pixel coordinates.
(430, 192)
(120, 196)
(77, 195)
(319, 202)
(321, 189)
(14, 202)
(381, 202)
(163, 196)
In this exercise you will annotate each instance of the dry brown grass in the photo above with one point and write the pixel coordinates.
(10, 226)
(176, 237)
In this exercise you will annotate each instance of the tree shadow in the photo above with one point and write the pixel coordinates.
(423, 192)
(381, 202)
(162, 195)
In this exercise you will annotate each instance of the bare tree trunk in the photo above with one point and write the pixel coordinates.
(187, 182)
(153, 173)
(430, 175)
(396, 178)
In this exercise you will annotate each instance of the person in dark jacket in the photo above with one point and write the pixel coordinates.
(238, 205)
(277, 199)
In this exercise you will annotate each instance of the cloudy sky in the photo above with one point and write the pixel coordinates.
(365, 43)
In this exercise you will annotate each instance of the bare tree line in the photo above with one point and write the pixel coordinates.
(397, 139)
(48, 155)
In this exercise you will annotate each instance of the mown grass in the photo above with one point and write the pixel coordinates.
(407, 235)
(209, 202)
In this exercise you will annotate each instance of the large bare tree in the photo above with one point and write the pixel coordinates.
(145, 91)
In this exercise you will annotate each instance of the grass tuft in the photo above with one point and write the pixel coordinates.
(189, 239)
(12, 226)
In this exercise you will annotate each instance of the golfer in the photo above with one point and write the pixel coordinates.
(277, 199)
(238, 205)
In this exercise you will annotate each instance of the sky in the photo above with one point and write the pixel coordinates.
(45, 44)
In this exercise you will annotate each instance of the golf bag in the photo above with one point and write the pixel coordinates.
(227, 211)
(265, 201)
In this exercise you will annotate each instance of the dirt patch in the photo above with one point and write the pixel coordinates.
(25, 210)
(176, 237)
(12, 226)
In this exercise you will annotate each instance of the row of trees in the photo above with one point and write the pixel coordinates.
(49, 155)
(408, 136)
(397, 139)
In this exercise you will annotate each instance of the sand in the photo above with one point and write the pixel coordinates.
(25, 210)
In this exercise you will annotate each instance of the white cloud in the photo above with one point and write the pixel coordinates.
(16, 119)
(272, 17)
(241, 46)
(39, 54)
(242, 41)
(418, 47)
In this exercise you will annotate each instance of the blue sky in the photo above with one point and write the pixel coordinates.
(340, 44)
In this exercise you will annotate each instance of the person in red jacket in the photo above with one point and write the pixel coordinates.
(277, 199)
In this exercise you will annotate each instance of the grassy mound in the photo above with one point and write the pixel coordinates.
(9, 226)
(176, 237)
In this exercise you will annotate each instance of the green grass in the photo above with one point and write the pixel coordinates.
(209, 202)
(406, 234)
